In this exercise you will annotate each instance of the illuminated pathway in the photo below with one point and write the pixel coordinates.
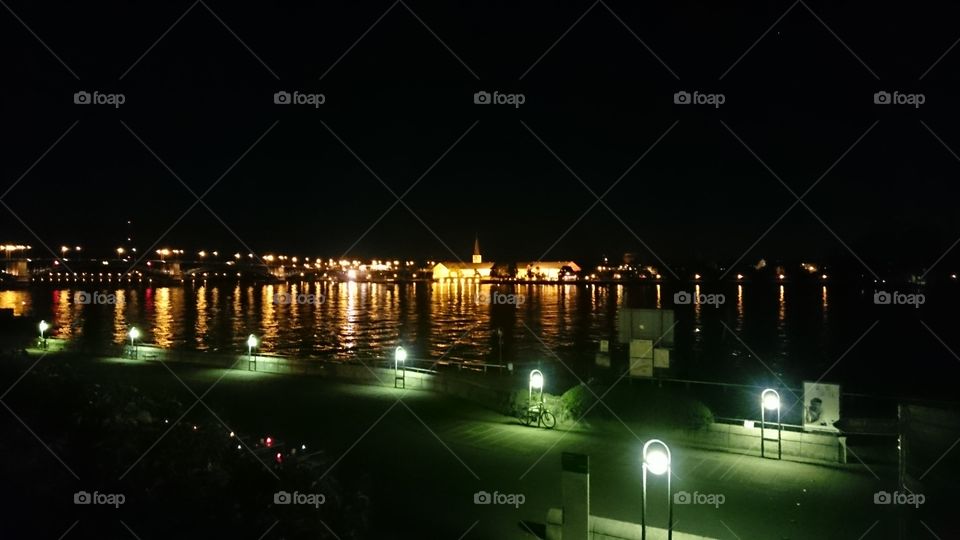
(425, 479)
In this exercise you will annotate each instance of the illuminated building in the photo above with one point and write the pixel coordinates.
(477, 269)
(546, 270)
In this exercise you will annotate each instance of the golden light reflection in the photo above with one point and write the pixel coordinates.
(64, 316)
(239, 319)
(782, 306)
(269, 327)
(18, 301)
(348, 314)
(163, 318)
(293, 308)
(659, 303)
(201, 325)
(119, 315)
(696, 304)
(823, 298)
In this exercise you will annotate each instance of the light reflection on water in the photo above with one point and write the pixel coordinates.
(350, 320)
(739, 327)
(14, 301)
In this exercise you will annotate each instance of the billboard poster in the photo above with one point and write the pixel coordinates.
(641, 348)
(661, 358)
(821, 406)
(641, 367)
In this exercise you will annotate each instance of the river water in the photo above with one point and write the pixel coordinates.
(761, 334)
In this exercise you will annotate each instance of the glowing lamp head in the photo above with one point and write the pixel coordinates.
(770, 400)
(268, 441)
(134, 333)
(657, 461)
(251, 341)
(43, 326)
(536, 380)
(400, 354)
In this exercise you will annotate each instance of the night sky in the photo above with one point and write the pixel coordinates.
(399, 82)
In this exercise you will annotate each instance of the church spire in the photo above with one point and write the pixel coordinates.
(477, 258)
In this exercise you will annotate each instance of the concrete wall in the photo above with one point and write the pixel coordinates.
(610, 529)
(805, 446)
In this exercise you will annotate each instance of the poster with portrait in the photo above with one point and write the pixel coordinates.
(821, 406)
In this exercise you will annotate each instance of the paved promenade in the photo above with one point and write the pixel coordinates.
(429, 454)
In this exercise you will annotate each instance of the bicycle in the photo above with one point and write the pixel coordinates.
(541, 416)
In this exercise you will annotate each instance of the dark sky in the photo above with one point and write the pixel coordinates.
(798, 93)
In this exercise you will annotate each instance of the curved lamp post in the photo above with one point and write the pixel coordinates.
(134, 334)
(43, 328)
(536, 383)
(399, 368)
(251, 345)
(657, 461)
(770, 401)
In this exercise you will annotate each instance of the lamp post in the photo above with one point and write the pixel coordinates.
(43, 328)
(399, 368)
(251, 344)
(536, 383)
(134, 334)
(657, 461)
(770, 400)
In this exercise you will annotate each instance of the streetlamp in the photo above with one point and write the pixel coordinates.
(134, 334)
(43, 328)
(251, 344)
(657, 461)
(536, 383)
(770, 400)
(399, 368)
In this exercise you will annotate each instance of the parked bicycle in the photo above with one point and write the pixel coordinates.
(540, 416)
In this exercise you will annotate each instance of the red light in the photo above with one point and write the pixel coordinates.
(279, 457)
(269, 442)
